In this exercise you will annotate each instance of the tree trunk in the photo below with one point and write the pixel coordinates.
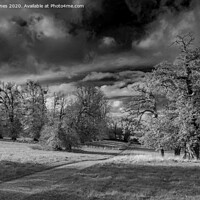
(35, 140)
(196, 150)
(57, 148)
(115, 132)
(69, 148)
(185, 152)
(191, 151)
(13, 131)
(177, 151)
(162, 152)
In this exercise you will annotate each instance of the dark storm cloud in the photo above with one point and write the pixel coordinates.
(44, 37)
(60, 36)
(60, 51)
(127, 20)
(107, 36)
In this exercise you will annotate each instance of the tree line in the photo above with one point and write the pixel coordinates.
(164, 112)
(65, 123)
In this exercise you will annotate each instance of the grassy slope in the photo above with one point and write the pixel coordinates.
(139, 174)
(129, 182)
(131, 178)
(19, 159)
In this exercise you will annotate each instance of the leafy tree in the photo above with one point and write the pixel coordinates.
(144, 100)
(34, 108)
(10, 101)
(58, 133)
(162, 133)
(90, 111)
(180, 83)
(176, 123)
(142, 111)
(59, 137)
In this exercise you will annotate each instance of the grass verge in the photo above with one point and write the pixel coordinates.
(20, 159)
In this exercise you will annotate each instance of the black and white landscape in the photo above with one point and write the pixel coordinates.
(99, 99)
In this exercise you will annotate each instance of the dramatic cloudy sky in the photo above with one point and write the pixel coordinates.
(109, 43)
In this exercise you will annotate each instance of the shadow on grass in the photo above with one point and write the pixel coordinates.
(12, 170)
(113, 182)
(80, 151)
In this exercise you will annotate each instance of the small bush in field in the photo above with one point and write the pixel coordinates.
(58, 137)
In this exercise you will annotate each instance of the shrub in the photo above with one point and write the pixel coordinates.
(58, 137)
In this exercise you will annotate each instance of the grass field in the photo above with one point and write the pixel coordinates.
(19, 159)
(135, 174)
(140, 181)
